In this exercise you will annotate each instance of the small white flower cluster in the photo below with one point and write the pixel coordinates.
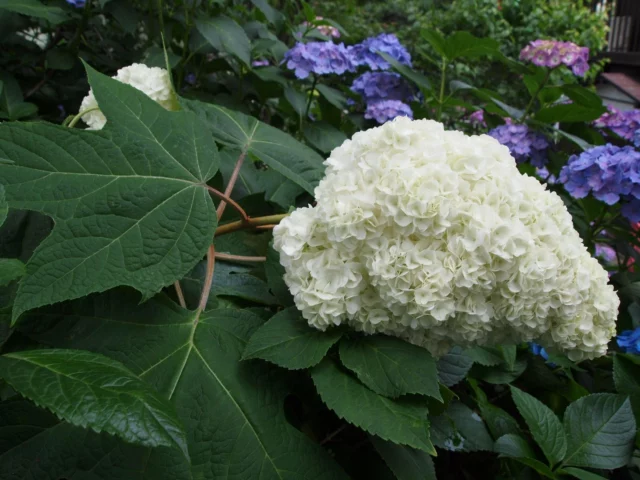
(435, 237)
(153, 81)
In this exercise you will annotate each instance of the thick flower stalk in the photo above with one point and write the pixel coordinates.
(435, 237)
(153, 81)
(552, 53)
(366, 53)
(524, 144)
(321, 58)
(386, 110)
(610, 173)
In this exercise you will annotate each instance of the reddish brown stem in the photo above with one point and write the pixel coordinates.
(226, 199)
(232, 183)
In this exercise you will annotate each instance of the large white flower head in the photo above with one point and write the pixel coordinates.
(435, 237)
(153, 81)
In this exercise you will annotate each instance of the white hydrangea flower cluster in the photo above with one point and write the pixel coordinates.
(153, 81)
(435, 237)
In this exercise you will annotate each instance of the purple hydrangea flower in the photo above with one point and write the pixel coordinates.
(77, 3)
(537, 349)
(636, 138)
(477, 119)
(321, 58)
(606, 253)
(190, 79)
(629, 341)
(544, 174)
(610, 173)
(523, 143)
(552, 53)
(376, 86)
(260, 63)
(365, 53)
(624, 124)
(386, 110)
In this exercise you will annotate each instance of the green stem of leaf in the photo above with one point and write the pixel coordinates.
(252, 222)
(208, 279)
(535, 95)
(239, 258)
(443, 79)
(180, 295)
(77, 118)
(311, 92)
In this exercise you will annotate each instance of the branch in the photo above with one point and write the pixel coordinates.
(239, 258)
(252, 222)
(232, 182)
(225, 198)
(208, 279)
(179, 293)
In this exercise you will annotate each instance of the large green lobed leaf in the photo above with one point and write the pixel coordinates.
(274, 147)
(129, 202)
(94, 391)
(232, 411)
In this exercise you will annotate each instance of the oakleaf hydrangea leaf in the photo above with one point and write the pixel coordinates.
(91, 390)
(233, 411)
(130, 202)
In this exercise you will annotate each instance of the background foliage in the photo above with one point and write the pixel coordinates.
(99, 385)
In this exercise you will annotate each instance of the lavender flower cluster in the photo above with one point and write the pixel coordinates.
(610, 173)
(321, 58)
(77, 3)
(552, 53)
(366, 53)
(378, 86)
(523, 143)
(624, 124)
(386, 110)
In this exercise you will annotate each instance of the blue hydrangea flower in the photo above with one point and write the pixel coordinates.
(190, 78)
(610, 173)
(624, 124)
(523, 143)
(544, 174)
(538, 350)
(77, 3)
(636, 138)
(386, 110)
(376, 86)
(321, 58)
(365, 53)
(629, 341)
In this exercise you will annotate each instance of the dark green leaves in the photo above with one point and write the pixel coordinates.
(287, 340)
(543, 425)
(460, 45)
(4, 207)
(323, 136)
(129, 202)
(406, 463)
(225, 35)
(10, 269)
(94, 391)
(402, 421)
(390, 366)
(600, 429)
(34, 8)
(275, 148)
(407, 72)
(453, 367)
